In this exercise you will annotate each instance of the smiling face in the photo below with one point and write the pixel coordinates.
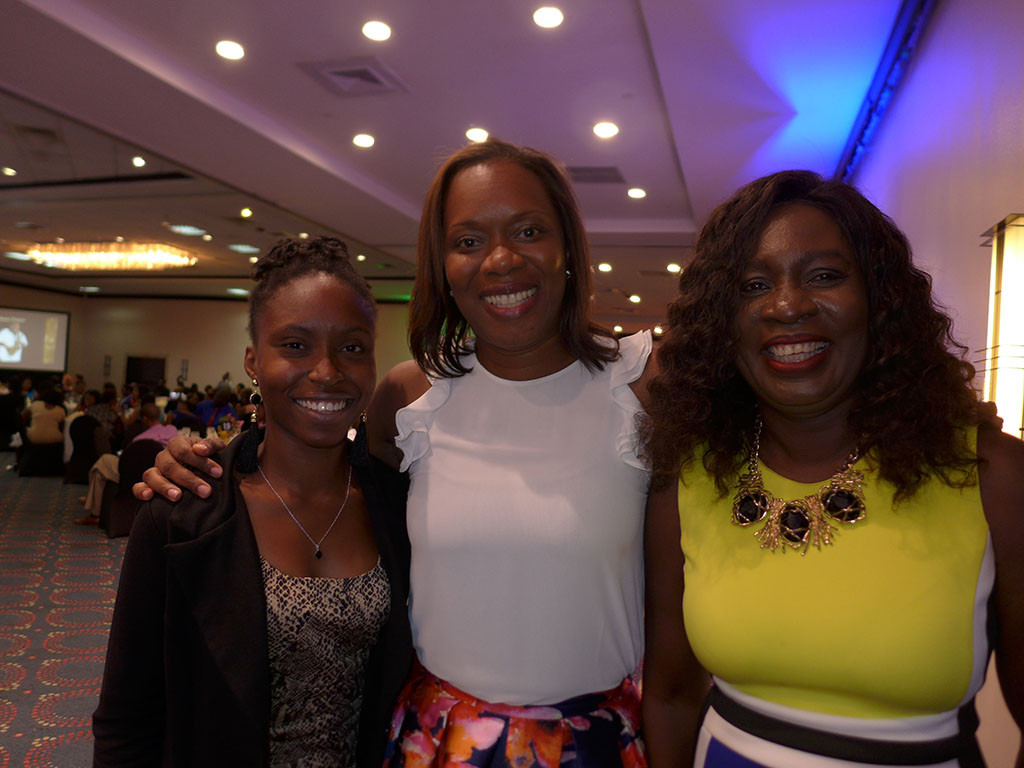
(802, 321)
(313, 358)
(505, 262)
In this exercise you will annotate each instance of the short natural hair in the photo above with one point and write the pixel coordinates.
(296, 257)
(438, 331)
(913, 395)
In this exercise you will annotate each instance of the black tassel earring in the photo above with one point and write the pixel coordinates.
(249, 453)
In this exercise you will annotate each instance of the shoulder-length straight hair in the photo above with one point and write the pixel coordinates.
(438, 331)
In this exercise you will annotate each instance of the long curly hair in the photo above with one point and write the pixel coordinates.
(438, 330)
(913, 395)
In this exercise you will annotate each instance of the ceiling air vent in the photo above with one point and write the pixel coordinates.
(596, 174)
(354, 77)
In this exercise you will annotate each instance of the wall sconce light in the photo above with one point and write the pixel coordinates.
(1004, 354)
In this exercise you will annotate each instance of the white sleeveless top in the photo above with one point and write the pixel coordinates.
(525, 515)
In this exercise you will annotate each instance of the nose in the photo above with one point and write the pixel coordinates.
(502, 258)
(788, 303)
(326, 370)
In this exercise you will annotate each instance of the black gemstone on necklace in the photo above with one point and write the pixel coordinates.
(794, 522)
(751, 508)
(318, 554)
(843, 505)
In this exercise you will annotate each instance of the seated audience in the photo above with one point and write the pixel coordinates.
(44, 418)
(105, 468)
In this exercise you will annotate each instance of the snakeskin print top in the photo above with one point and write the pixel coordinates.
(320, 633)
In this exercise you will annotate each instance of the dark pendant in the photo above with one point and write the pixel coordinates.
(794, 523)
(750, 508)
(318, 554)
(844, 506)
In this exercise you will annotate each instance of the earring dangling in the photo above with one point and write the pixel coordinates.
(255, 399)
(568, 273)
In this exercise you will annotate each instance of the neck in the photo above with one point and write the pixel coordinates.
(550, 356)
(806, 448)
(300, 468)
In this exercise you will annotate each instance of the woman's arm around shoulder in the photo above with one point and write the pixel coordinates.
(1001, 475)
(129, 722)
(674, 682)
(402, 385)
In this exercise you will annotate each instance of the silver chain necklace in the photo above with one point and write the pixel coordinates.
(317, 553)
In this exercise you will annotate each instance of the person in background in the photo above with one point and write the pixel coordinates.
(44, 418)
(267, 625)
(516, 423)
(213, 411)
(849, 537)
(104, 470)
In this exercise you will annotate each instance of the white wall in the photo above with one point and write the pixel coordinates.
(947, 165)
(209, 334)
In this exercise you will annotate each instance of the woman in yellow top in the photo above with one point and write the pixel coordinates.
(850, 544)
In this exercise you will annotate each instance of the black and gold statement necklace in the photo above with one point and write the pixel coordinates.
(804, 522)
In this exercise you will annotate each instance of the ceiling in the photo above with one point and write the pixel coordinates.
(707, 96)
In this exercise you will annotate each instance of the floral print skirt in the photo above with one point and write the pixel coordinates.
(438, 726)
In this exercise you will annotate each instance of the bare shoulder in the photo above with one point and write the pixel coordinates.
(400, 386)
(1001, 474)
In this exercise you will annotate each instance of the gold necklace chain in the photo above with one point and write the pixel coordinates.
(317, 553)
(800, 523)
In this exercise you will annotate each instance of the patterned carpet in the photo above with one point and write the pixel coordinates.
(57, 588)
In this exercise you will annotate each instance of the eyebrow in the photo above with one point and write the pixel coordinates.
(517, 215)
(803, 259)
(300, 328)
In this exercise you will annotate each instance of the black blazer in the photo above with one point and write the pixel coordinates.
(187, 679)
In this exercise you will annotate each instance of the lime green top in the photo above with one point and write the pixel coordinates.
(886, 622)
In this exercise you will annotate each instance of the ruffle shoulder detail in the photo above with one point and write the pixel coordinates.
(634, 352)
(414, 420)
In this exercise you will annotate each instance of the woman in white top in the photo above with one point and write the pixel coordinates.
(515, 422)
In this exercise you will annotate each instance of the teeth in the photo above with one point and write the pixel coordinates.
(325, 406)
(505, 300)
(796, 353)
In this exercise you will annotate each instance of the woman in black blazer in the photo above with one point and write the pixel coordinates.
(217, 655)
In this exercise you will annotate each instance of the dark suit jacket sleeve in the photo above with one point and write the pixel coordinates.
(128, 725)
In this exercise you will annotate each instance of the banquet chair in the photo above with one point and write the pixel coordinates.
(118, 506)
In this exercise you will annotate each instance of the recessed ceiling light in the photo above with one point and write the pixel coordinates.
(605, 130)
(360, 257)
(637, 193)
(243, 248)
(229, 49)
(186, 229)
(8, 171)
(604, 266)
(17, 256)
(376, 30)
(658, 330)
(245, 213)
(139, 161)
(635, 299)
(477, 134)
(207, 237)
(363, 140)
(548, 17)
(238, 291)
(89, 288)
(674, 268)
(253, 259)
(617, 328)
